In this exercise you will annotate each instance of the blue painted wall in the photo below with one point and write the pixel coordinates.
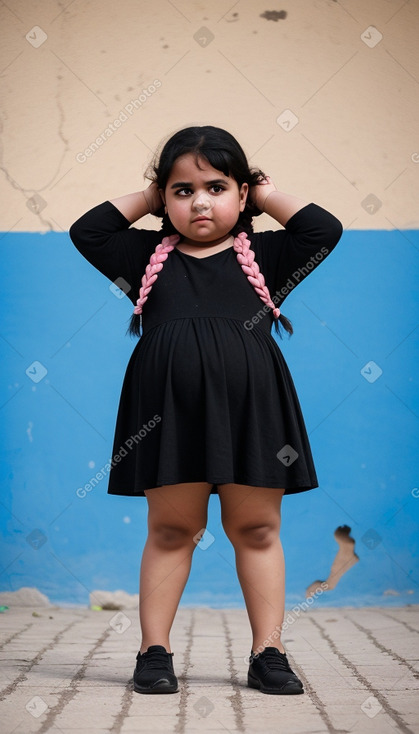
(355, 315)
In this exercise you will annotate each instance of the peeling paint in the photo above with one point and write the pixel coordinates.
(344, 560)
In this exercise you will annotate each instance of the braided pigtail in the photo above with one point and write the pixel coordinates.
(153, 268)
(246, 259)
(243, 227)
(150, 276)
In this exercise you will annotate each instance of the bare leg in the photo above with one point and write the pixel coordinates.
(163, 577)
(251, 519)
(262, 578)
(176, 514)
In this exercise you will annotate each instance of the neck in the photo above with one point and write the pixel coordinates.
(226, 240)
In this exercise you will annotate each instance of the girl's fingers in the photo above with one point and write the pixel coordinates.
(262, 180)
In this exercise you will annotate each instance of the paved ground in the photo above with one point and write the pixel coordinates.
(70, 670)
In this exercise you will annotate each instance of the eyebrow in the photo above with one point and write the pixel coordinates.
(188, 184)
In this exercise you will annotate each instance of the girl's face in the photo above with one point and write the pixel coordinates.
(203, 204)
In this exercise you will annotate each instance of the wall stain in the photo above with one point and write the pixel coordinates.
(274, 15)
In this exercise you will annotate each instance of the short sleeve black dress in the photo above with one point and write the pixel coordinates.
(207, 395)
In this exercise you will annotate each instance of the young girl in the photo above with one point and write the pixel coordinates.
(208, 404)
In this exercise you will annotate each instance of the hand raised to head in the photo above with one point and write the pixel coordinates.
(259, 192)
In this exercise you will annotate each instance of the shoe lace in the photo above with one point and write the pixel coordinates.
(275, 661)
(157, 659)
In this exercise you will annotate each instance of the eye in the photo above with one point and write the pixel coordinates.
(215, 186)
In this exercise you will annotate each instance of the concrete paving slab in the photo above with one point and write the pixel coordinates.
(71, 671)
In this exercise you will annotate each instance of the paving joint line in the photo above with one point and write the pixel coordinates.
(390, 711)
(15, 634)
(22, 676)
(184, 688)
(315, 699)
(382, 647)
(68, 694)
(400, 621)
(235, 699)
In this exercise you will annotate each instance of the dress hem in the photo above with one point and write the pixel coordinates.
(291, 489)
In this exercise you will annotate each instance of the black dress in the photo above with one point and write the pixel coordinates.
(207, 394)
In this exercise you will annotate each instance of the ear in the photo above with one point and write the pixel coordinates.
(244, 190)
(162, 196)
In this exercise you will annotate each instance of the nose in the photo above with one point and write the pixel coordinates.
(203, 202)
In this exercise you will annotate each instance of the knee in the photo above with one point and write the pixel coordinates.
(252, 535)
(173, 537)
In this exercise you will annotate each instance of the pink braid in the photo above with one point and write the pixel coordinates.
(246, 258)
(157, 259)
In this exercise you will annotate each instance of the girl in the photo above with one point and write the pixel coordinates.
(208, 404)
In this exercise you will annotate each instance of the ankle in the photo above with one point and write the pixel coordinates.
(144, 647)
(256, 650)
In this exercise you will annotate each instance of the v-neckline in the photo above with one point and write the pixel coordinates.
(226, 249)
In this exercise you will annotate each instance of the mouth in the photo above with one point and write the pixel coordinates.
(201, 219)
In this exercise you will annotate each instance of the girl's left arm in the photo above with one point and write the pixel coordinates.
(265, 196)
(282, 206)
(310, 234)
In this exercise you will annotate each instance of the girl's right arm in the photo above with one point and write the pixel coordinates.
(137, 205)
(103, 236)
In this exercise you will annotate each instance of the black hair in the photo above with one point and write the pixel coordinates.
(224, 153)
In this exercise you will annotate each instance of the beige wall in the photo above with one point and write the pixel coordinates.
(356, 100)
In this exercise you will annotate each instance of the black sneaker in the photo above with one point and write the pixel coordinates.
(269, 671)
(154, 671)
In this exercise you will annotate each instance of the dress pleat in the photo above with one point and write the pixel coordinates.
(226, 406)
